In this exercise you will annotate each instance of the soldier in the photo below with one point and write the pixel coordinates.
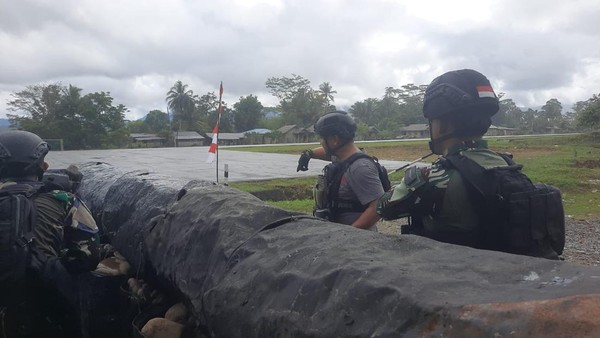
(44, 249)
(353, 179)
(472, 195)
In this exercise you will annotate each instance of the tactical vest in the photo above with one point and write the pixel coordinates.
(326, 189)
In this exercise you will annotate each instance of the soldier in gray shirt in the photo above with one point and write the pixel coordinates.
(355, 201)
(359, 183)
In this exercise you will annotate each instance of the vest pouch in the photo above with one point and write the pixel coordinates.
(320, 193)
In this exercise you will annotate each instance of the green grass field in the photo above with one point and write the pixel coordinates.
(571, 163)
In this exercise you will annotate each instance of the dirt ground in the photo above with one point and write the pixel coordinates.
(582, 246)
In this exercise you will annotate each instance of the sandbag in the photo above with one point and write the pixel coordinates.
(125, 203)
(248, 269)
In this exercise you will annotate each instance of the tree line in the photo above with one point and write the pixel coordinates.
(93, 121)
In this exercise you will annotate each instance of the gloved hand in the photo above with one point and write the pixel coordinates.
(303, 160)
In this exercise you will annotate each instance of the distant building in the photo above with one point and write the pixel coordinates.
(419, 130)
(188, 139)
(295, 134)
(226, 139)
(306, 135)
(501, 131)
(259, 131)
(258, 136)
(289, 133)
(143, 140)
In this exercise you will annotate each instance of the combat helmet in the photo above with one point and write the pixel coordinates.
(21, 153)
(464, 92)
(337, 123)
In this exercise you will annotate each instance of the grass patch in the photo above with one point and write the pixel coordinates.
(278, 189)
(582, 205)
(305, 206)
(571, 163)
(291, 194)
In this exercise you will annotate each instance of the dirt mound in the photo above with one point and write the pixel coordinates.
(591, 164)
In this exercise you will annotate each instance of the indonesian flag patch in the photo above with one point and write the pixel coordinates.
(485, 91)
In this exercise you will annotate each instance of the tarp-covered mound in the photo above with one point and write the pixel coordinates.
(126, 203)
(248, 269)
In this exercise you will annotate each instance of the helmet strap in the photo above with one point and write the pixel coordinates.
(35, 169)
(434, 142)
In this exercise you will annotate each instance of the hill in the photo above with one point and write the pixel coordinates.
(4, 124)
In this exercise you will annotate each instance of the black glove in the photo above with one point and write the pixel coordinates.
(303, 160)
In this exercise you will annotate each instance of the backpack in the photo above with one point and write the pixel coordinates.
(328, 186)
(516, 216)
(17, 219)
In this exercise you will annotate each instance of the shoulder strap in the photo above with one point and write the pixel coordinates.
(335, 178)
(471, 171)
(475, 174)
(356, 156)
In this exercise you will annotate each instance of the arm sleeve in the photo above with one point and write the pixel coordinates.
(45, 256)
(400, 200)
(49, 231)
(76, 249)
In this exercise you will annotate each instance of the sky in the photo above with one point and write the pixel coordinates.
(530, 50)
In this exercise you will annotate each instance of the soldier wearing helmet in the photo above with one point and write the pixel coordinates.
(459, 105)
(359, 185)
(56, 250)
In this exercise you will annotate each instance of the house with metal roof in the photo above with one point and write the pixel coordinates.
(146, 140)
(227, 139)
(501, 131)
(188, 139)
(259, 136)
(418, 130)
(295, 134)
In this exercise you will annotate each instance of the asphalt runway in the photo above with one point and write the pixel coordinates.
(190, 163)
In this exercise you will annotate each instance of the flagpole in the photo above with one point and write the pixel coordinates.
(212, 150)
(218, 125)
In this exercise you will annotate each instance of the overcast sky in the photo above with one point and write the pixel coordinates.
(531, 50)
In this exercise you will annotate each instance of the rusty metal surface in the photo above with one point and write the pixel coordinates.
(572, 316)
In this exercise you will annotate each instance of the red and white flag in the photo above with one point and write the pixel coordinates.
(212, 151)
(213, 146)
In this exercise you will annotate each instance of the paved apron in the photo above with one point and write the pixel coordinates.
(190, 163)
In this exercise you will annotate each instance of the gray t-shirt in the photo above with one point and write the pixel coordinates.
(360, 183)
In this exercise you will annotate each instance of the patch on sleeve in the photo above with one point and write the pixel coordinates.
(413, 178)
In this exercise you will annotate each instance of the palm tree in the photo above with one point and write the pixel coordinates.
(181, 101)
(327, 92)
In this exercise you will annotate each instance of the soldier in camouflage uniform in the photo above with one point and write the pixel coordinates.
(45, 304)
(459, 105)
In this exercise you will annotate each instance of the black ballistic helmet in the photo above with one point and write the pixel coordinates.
(21, 153)
(336, 123)
(463, 92)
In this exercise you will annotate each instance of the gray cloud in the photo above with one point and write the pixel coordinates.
(136, 50)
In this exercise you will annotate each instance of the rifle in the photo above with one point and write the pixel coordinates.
(411, 163)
